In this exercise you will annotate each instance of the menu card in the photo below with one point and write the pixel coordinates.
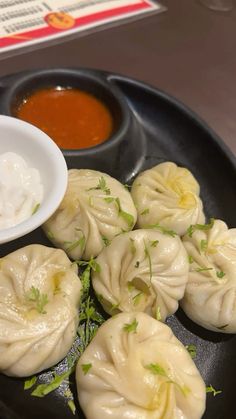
(30, 22)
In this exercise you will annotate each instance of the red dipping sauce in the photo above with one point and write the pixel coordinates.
(72, 118)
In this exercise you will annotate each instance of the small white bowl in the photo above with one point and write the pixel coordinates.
(40, 152)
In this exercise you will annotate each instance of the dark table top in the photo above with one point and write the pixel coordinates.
(188, 51)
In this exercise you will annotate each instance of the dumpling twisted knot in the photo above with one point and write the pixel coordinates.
(210, 296)
(96, 208)
(136, 368)
(168, 195)
(143, 270)
(39, 298)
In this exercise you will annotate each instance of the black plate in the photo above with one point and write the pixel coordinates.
(172, 132)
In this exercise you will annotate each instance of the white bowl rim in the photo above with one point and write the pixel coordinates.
(59, 189)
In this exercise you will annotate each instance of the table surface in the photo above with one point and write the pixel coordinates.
(188, 51)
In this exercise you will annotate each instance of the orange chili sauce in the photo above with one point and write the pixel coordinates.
(72, 118)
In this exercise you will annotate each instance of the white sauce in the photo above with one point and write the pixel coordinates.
(21, 190)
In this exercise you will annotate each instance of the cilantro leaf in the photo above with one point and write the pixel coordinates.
(69, 246)
(106, 241)
(203, 245)
(158, 314)
(163, 230)
(101, 186)
(147, 255)
(210, 389)
(203, 227)
(137, 297)
(202, 269)
(50, 235)
(86, 368)
(40, 300)
(156, 369)
(192, 350)
(43, 389)
(71, 405)
(154, 243)
(92, 264)
(190, 259)
(126, 186)
(145, 211)
(131, 327)
(125, 215)
(30, 382)
(220, 274)
(35, 209)
(109, 199)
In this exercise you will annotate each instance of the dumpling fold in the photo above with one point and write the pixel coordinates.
(96, 208)
(39, 300)
(142, 270)
(168, 195)
(210, 296)
(136, 368)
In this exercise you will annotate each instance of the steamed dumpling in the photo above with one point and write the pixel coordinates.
(167, 195)
(143, 270)
(96, 208)
(210, 297)
(136, 368)
(39, 298)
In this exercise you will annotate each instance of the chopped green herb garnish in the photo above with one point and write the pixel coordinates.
(220, 274)
(30, 383)
(35, 209)
(50, 235)
(154, 243)
(145, 211)
(101, 186)
(190, 259)
(86, 368)
(211, 389)
(137, 297)
(90, 312)
(202, 227)
(126, 186)
(106, 241)
(203, 245)
(163, 230)
(156, 369)
(131, 327)
(71, 405)
(69, 246)
(109, 199)
(40, 300)
(158, 314)
(91, 264)
(147, 255)
(125, 215)
(137, 264)
(43, 389)
(203, 269)
(192, 350)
